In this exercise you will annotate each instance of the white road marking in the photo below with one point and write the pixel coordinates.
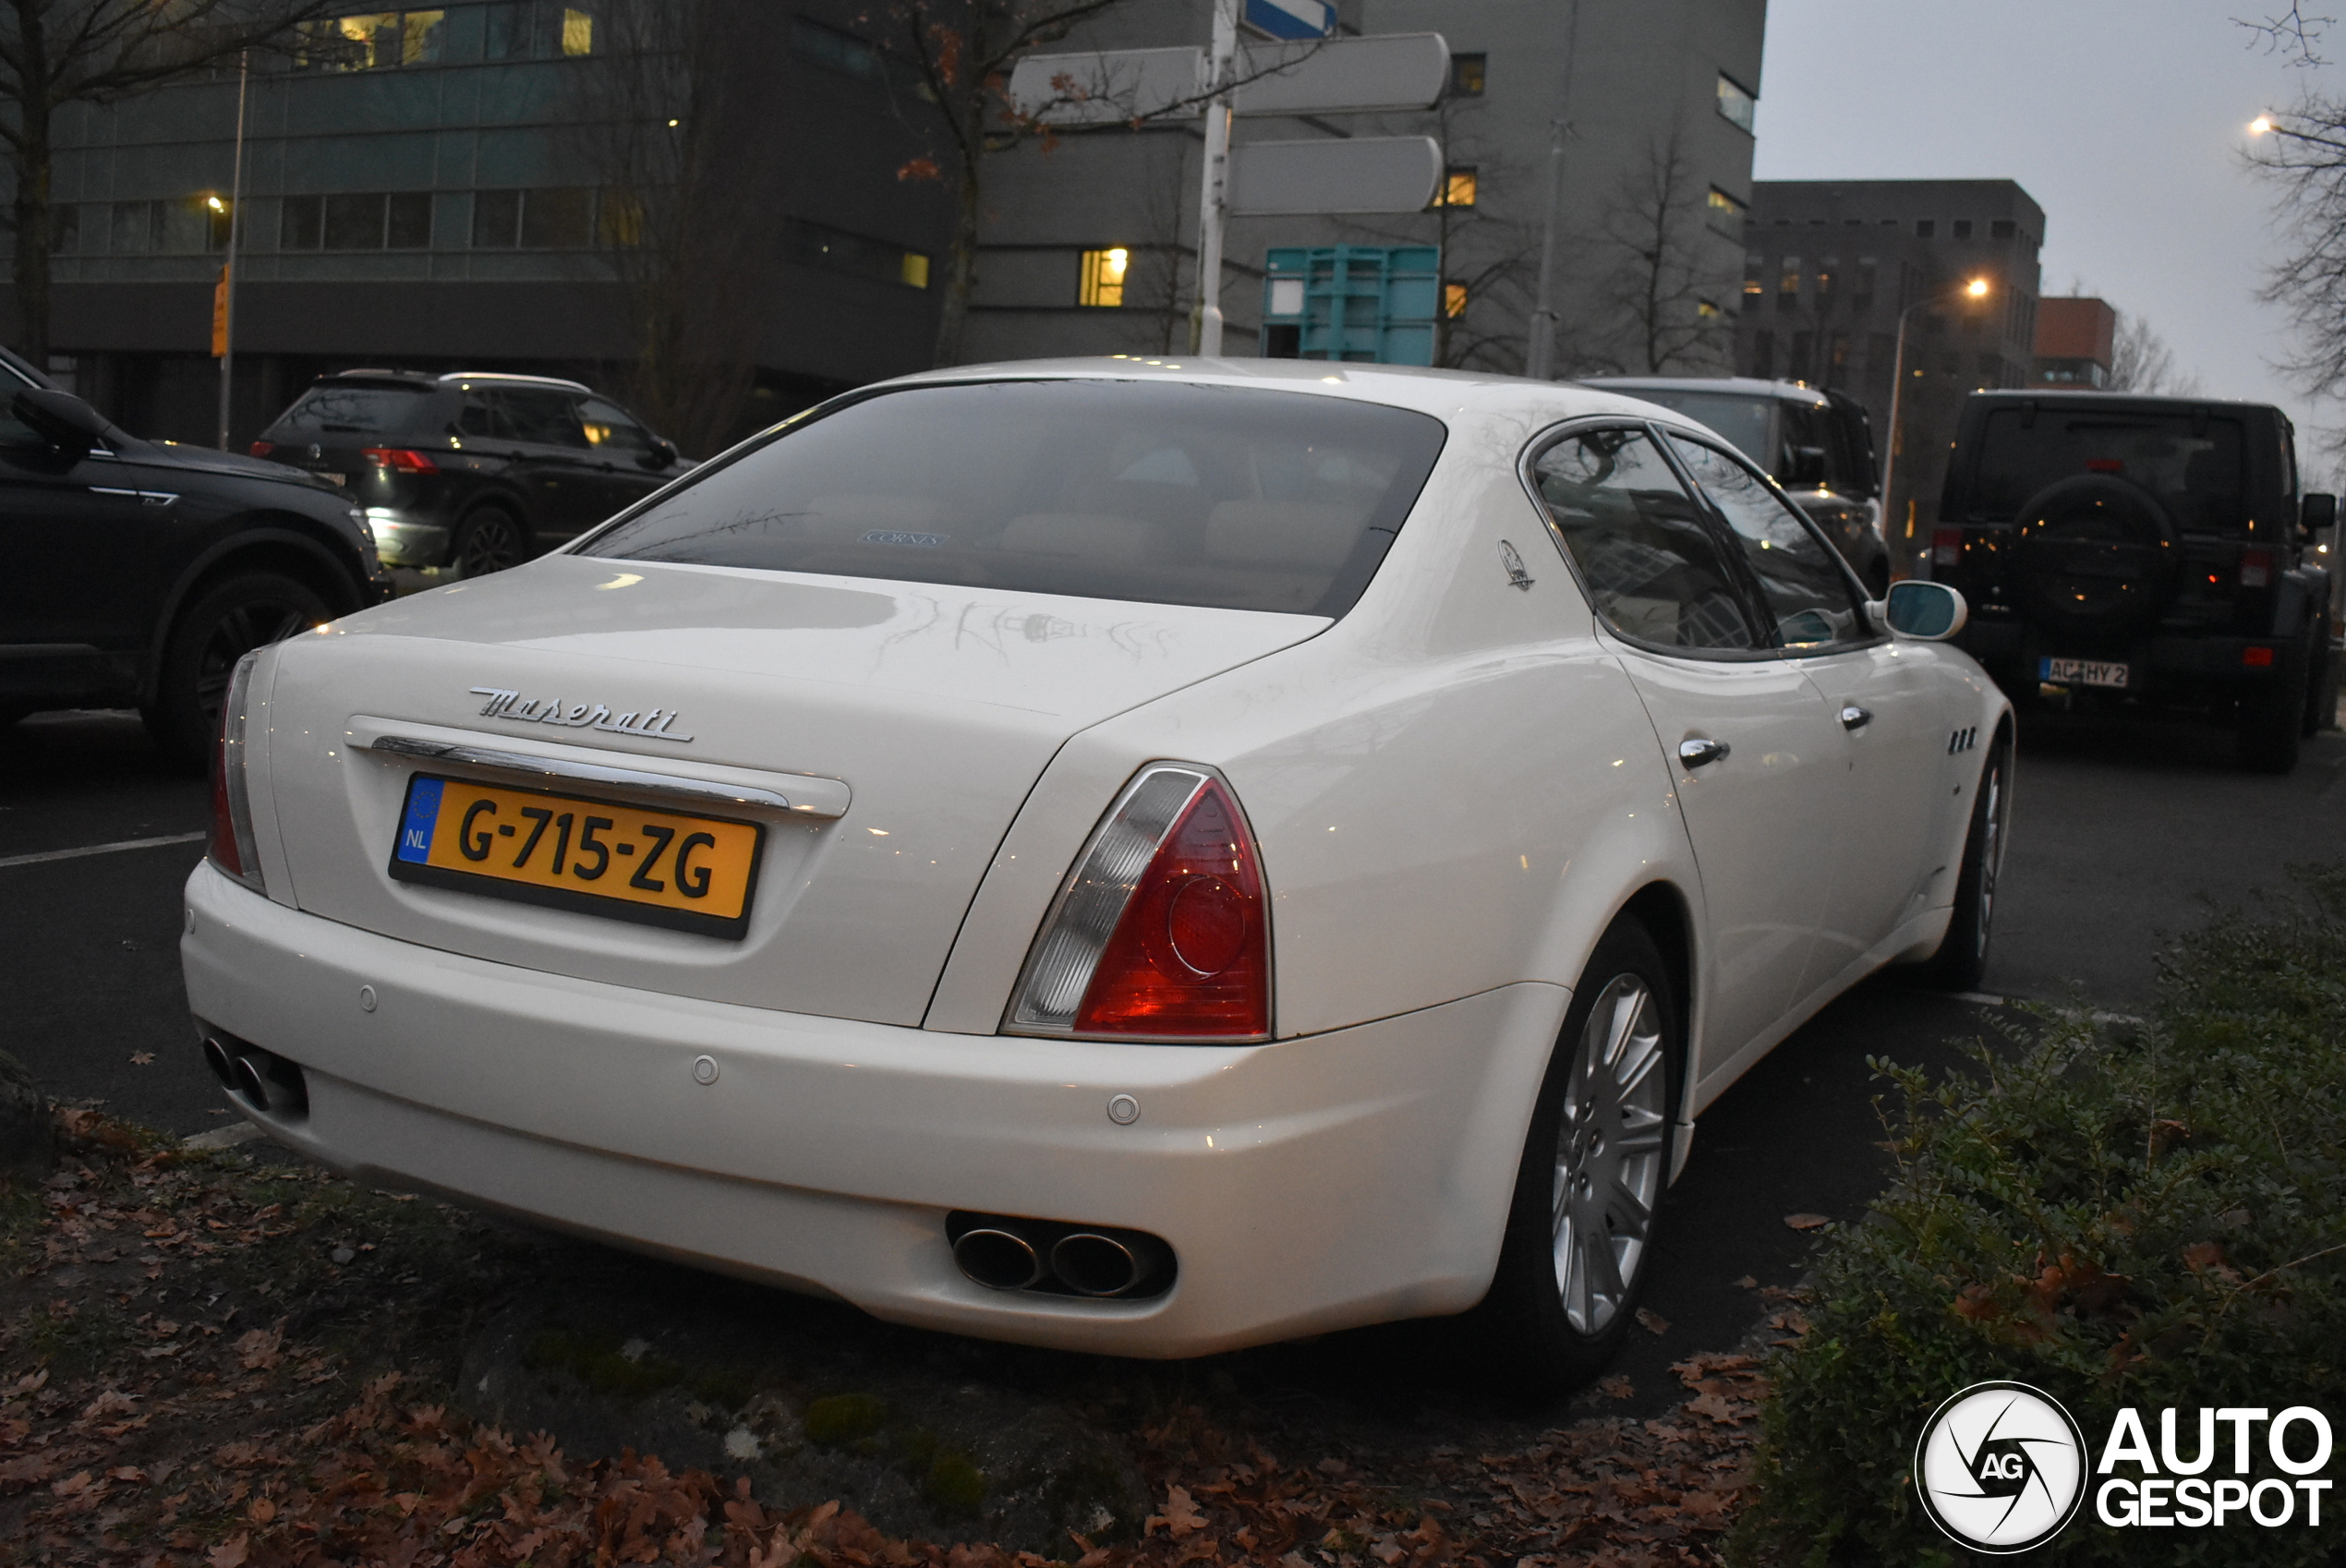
(1986, 1000)
(116, 848)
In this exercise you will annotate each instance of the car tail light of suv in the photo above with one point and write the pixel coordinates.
(1946, 547)
(1162, 930)
(2255, 568)
(262, 449)
(401, 460)
(231, 843)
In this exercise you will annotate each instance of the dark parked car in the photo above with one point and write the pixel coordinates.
(139, 571)
(2152, 551)
(471, 470)
(1818, 445)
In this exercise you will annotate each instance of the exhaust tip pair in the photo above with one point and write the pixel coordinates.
(1058, 1258)
(260, 1080)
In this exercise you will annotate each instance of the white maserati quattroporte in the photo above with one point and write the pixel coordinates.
(1140, 857)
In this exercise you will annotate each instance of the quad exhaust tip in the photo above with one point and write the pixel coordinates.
(259, 1080)
(1056, 1258)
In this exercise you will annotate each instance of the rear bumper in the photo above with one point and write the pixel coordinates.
(1315, 1184)
(2014, 647)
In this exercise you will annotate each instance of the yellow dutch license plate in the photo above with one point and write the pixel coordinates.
(665, 868)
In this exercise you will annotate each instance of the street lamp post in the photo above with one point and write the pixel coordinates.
(226, 348)
(1975, 289)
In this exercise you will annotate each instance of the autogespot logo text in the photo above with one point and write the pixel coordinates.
(2002, 1468)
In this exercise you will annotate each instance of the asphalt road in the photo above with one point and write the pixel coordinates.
(2124, 832)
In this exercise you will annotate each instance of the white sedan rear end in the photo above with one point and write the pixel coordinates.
(1144, 859)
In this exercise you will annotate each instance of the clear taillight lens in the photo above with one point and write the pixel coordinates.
(1162, 931)
(232, 846)
(1946, 547)
(2255, 568)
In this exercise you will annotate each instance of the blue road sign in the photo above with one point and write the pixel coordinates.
(1291, 18)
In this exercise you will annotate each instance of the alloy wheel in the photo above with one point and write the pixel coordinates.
(491, 543)
(1610, 1141)
(253, 624)
(1992, 851)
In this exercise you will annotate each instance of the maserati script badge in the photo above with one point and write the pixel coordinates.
(503, 703)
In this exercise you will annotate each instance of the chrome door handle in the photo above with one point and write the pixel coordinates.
(1855, 718)
(1697, 752)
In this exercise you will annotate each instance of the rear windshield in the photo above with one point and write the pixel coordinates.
(339, 408)
(1742, 419)
(1228, 497)
(2194, 466)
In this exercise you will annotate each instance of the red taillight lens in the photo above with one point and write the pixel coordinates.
(2257, 658)
(231, 848)
(1163, 931)
(262, 449)
(1946, 547)
(402, 460)
(2255, 568)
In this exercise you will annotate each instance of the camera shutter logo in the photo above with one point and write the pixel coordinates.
(2000, 1467)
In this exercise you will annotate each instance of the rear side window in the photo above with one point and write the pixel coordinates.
(1651, 566)
(2193, 467)
(359, 409)
(1228, 497)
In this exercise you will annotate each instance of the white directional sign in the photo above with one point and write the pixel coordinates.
(1340, 76)
(1110, 87)
(1363, 174)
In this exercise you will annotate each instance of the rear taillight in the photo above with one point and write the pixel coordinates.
(2256, 568)
(232, 846)
(1162, 931)
(401, 460)
(262, 449)
(1946, 547)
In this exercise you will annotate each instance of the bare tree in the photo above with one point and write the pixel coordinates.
(2291, 33)
(1650, 249)
(2140, 361)
(53, 53)
(691, 201)
(2305, 156)
(961, 53)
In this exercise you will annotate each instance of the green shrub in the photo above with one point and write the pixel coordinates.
(2148, 1215)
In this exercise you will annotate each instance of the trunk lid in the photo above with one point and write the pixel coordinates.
(936, 707)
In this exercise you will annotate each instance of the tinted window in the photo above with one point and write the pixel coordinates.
(1799, 575)
(1228, 497)
(1651, 566)
(2198, 476)
(482, 415)
(611, 430)
(1746, 422)
(1803, 426)
(337, 408)
(542, 415)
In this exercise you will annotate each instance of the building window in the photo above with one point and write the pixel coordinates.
(1825, 270)
(184, 225)
(1706, 311)
(64, 229)
(1962, 228)
(1867, 270)
(1466, 74)
(836, 251)
(834, 50)
(1763, 354)
(1926, 228)
(1788, 276)
(1727, 213)
(1100, 279)
(1453, 300)
(1735, 104)
(2001, 228)
(399, 220)
(1458, 189)
(371, 40)
(553, 218)
(537, 30)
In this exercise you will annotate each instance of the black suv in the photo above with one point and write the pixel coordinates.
(471, 470)
(2142, 549)
(1819, 446)
(139, 571)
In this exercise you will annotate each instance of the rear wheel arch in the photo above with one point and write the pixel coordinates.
(1663, 909)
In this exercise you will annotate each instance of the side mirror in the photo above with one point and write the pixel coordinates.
(1806, 468)
(662, 455)
(2316, 512)
(63, 420)
(1927, 612)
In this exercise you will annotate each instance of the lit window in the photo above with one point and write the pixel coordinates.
(1100, 279)
(370, 40)
(1453, 300)
(1705, 310)
(578, 32)
(912, 270)
(419, 35)
(1726, 213)
(1788, 279)
(1458, 187)
(1466, 74)
(1735, 104)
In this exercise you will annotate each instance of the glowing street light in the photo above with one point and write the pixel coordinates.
(1977, 288)
(215, 203)
(2260, 124)
(1974, 288)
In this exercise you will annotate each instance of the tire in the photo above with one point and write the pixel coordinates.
(221, 624)
(489, 539)
(2094, 555)
(1569, 1272)
(2272, 718)
(1962, 957)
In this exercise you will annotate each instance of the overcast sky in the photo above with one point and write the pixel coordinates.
(2126, 119)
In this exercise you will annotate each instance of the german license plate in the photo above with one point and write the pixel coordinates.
(2080, 672)
(662, 868)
